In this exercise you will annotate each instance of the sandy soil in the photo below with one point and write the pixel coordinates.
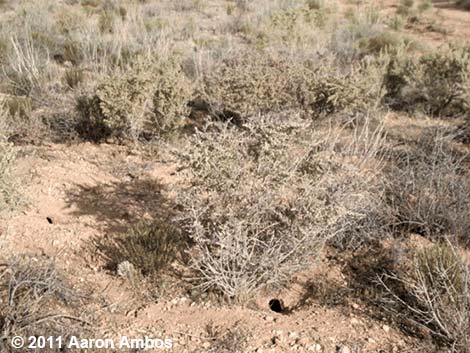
(90, 192)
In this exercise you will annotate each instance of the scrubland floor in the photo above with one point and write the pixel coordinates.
(374, 184)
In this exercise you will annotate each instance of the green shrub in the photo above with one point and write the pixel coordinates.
(329, 90)
(437, 83)
(445, 80)
(171, 94)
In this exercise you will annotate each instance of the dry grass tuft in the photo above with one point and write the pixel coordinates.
(150, 247)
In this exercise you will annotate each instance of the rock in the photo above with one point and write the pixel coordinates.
(386, 328)
(303, 341)
(206, 345)
(315, 348)
(126, 270)
(293, 335)
(343, 349)
(355, 321)
(355, 306)
(269, 318)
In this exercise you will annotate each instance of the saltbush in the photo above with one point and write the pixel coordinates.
(150, 97)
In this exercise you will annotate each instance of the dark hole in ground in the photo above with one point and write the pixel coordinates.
(276, 305)
(49, 220)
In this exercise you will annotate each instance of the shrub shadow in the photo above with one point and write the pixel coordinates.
(136, 225)
(116, 205)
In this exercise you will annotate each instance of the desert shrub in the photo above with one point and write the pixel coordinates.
(425, 5)
(406, 8)
(434, 292)
(170, 98)
(315, 4)
(438, 82)
(446, 80)
(150, 247)
(296, 24)
(251, 84)
(384, 41)
(6, 182)
(90, 123)
(463, 131)
(150, 97)
(429, 189)
(4, 48)
(262, 202)
(330, 90)
(464, 4)
(9, 197)
(345, 39)
(36, 300)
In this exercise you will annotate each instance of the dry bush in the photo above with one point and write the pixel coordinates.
(434, 293)
(27, 71)
(262, 202)
(297, 27)
(6, 182)
(9, 195)
(437, 83)
(345, 38)
(148, 98)
(252, 84)
(36, 301)
(429, 189)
